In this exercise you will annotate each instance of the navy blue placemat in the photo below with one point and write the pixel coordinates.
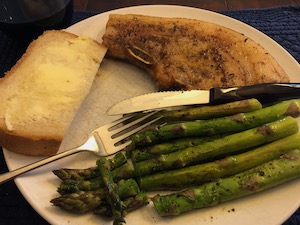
(282, 24)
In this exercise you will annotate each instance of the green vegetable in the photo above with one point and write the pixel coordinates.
(135, 202)
(129, 204)
(70, 185)
(230, 165)
(80, 202)
(86, 174)
(219, 148)
(128, 188)
(251, 181)
(125, 171)
(237, 155)
(152, 151)
(84, 201)
(76, 174)
(223, 125)
(112, 197)
(213, 111)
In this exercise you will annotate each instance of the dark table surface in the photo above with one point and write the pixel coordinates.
(280, 23)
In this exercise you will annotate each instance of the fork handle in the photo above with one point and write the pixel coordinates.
(12, 174)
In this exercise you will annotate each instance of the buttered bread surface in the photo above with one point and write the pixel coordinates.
(42, 92)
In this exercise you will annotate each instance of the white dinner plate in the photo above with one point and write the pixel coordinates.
(118, 80)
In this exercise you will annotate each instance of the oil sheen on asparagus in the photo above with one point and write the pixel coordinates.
(206, 158)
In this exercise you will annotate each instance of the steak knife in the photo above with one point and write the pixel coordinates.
(265, 93)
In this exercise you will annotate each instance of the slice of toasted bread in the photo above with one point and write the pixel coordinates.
(190, 54)
(42, 92)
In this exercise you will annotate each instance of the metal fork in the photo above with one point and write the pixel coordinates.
(103, 141)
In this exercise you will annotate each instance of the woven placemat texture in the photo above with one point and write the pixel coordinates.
(281, 24)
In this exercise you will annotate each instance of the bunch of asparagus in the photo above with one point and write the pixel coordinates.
(209, 154)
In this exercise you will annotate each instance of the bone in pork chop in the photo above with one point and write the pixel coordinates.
(190, 54)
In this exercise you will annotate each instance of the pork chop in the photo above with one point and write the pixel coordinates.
(190, 54)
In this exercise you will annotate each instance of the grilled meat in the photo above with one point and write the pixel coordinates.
(190, 54)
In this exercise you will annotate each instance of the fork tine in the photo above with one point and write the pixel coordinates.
(120, 120)
(131, 132)
(132, 123)
(123, 145)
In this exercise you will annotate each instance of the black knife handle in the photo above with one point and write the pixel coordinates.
(265, 93)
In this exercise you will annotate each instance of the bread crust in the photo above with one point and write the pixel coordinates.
(29, 142)
(29, 145)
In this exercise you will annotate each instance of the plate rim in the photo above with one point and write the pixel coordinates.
(18, 181)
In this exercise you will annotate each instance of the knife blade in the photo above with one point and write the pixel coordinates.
(265, 93)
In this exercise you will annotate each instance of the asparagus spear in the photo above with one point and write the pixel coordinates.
(214, 111)
(129, 204)
(219, 147)
(89, 173)
(251, 181)
(117, 160)
(76, 174)
(69, 185)
(83, 201)
(113, 196)
(123, 172)
(222, 125)
(152, 151)
(128, 188)
(230, 165)
(135, 202)
(80, 202)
